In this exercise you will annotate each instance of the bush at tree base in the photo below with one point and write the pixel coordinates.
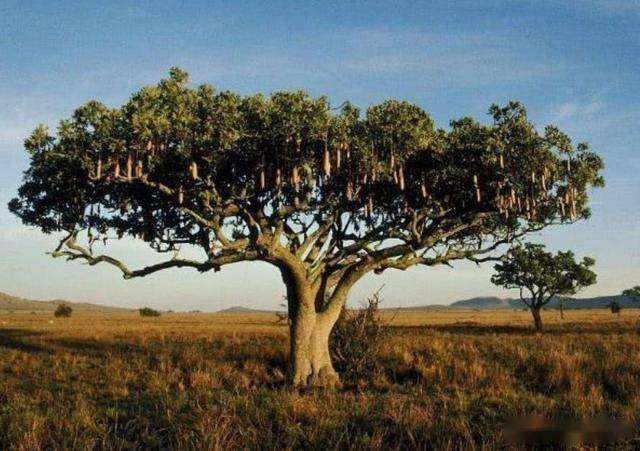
(356, 340)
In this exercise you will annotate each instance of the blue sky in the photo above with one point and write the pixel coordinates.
(573, 63)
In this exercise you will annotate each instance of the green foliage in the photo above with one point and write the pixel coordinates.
(542, 273)
(149, 312)
(356, 341)
(63, 311)
(290, 154)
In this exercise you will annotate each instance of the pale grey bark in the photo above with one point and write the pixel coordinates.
(309, 335)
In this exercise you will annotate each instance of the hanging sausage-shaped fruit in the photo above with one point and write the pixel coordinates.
(326, 160)
(338, 156)
(180, 195)
(423, 188)
(501, 161)
(99, 168)
(278, 177)
(295, 178)
(139, 171)
(477, 188)
(374, 163)
(129, 165)
(263, 182)
(193, 168)
(401, 177)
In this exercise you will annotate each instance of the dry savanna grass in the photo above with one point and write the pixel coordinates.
(447, 380)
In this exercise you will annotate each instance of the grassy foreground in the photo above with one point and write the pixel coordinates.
(449, 380)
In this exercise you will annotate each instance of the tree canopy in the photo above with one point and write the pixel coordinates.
(178, 165)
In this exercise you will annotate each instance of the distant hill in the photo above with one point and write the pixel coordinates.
(240, 309)
(569, 303)
(8, 302)
(490, 302)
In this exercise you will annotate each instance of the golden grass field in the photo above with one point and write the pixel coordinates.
(448, 380)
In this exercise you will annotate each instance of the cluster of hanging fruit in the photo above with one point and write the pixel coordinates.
(568, 201)
(135, 164)
(526, 201)
(132, 166)
(509, 200)
(335, 159)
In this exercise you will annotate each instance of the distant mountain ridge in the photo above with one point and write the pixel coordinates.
(496, 303)
(569, 303)
(15, 303)
(489, 302)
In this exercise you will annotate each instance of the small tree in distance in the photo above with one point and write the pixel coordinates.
(541, 275)
(634, 292)
(63, 311)
(148, 311)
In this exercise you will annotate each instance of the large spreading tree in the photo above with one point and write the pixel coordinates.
(324, 195)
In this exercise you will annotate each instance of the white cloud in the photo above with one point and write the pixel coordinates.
(575, 110)
(21, 112)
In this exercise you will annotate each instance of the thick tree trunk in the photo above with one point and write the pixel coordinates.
(310, 359)
(310, 363)
(537, 319)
